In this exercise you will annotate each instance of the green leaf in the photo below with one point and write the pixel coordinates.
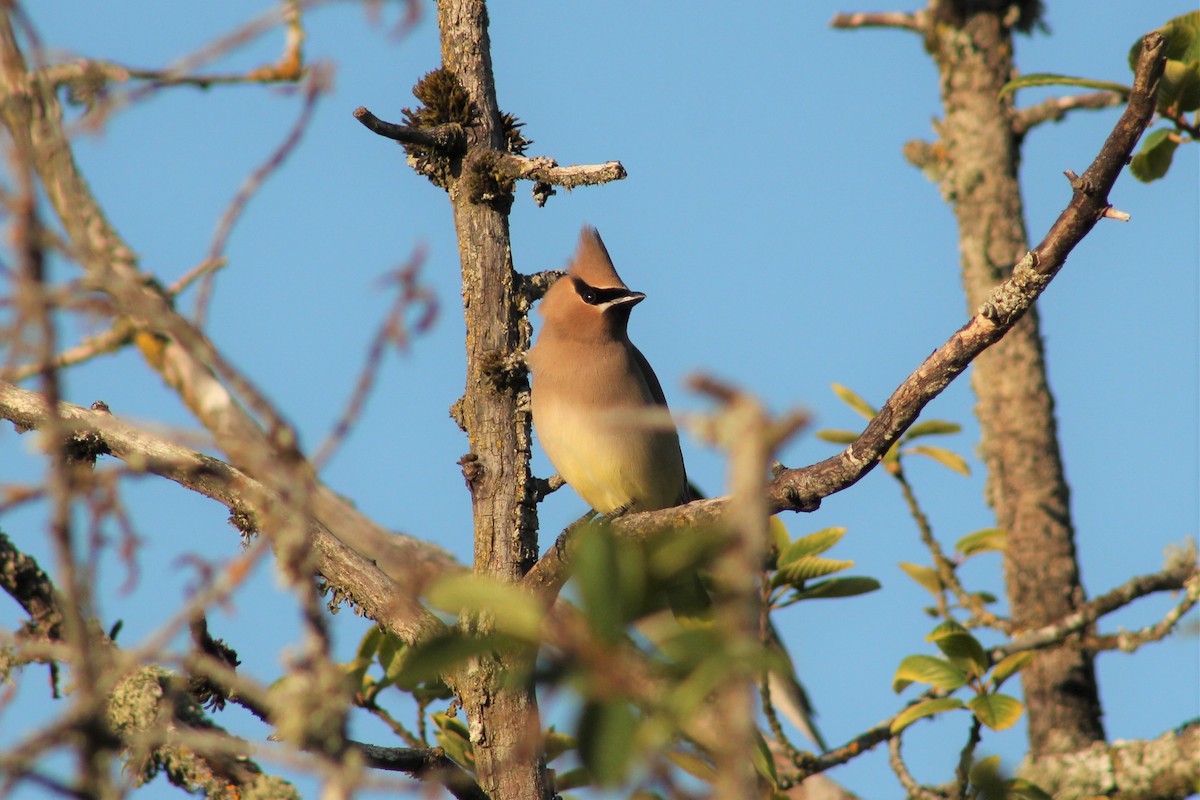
(983, 541)
(1180, 89)
(693, 765)
(1021, 789)
(1154, 159)
(949, 627)
(443, 654)
(1009, 666)
(572, 779)
(780, 538)
(937, 672)
(943, 456)
(835, 587)
(611, 575)
(1051, 79)
(392, 657)
(837, 436)
(926, 708)
(370, 642)
(796, 573)
(927, 577)
(965, 651)
(933, 427)
(996, 711)
(764, 762)
(606, 740)
(554, 744)
(1183, 39)
(452, 736)
(855, 402)
(512, 610)
(811, 545)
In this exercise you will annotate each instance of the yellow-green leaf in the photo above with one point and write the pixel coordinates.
(780, 537)
(927, 577)
(441, 655)
(996, 711)
(1009, 666)
(982, 541)
(370, 642)
(554, 744)
(943, 456)
(693, 765)
(512, 610)
(807, 568)
(1154, 158)
(835, 587)
(453, 737)
(926, 708)
(949, 627)
(571, 779)
(932, 427)
(811, 545)
(1021, 789)
(837, 436)
(606, 739)
(850, 398)
(937, 672)
(764, 762)
(1050, 79)
(965, 651)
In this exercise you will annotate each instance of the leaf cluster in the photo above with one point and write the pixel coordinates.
(1178, 95)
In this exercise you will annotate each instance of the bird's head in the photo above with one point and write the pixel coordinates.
(591, 299)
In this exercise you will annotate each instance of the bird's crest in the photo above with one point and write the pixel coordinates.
(591, 263)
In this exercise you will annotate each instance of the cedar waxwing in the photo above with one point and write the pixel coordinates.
(589, 382)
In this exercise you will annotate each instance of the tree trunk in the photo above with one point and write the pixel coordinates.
(1026, 485)
(503, 718)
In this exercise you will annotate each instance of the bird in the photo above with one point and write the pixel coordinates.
(591, 392)
(592, 389)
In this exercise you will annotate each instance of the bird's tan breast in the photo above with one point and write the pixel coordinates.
(590, 414)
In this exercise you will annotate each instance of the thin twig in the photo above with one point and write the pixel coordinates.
(449, 138)
(1054, 109)
(1186, 578)
(317, 83)
(915, 790)
(880, 19)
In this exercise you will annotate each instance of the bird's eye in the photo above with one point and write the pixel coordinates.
(589, 294)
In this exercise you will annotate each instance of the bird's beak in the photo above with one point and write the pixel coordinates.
(631, 299)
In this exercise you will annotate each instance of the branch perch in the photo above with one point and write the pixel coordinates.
(449, 139)
(802, 489)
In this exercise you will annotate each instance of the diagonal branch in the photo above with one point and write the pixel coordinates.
(339, 534)
(802, 489)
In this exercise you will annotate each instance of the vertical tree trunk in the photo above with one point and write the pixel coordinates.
(503, 718)
(1026, 485)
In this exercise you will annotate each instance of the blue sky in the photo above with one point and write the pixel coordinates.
(783, 244)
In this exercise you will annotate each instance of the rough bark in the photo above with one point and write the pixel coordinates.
(1026, 485)
(504, 725)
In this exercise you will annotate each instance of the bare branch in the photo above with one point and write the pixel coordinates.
(880, 19)
(1054, 109)
(1185, 576)
(424, 764)
(388, 597)
(109, 341)
(449, 138)
(915, 791)
(546, 170)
